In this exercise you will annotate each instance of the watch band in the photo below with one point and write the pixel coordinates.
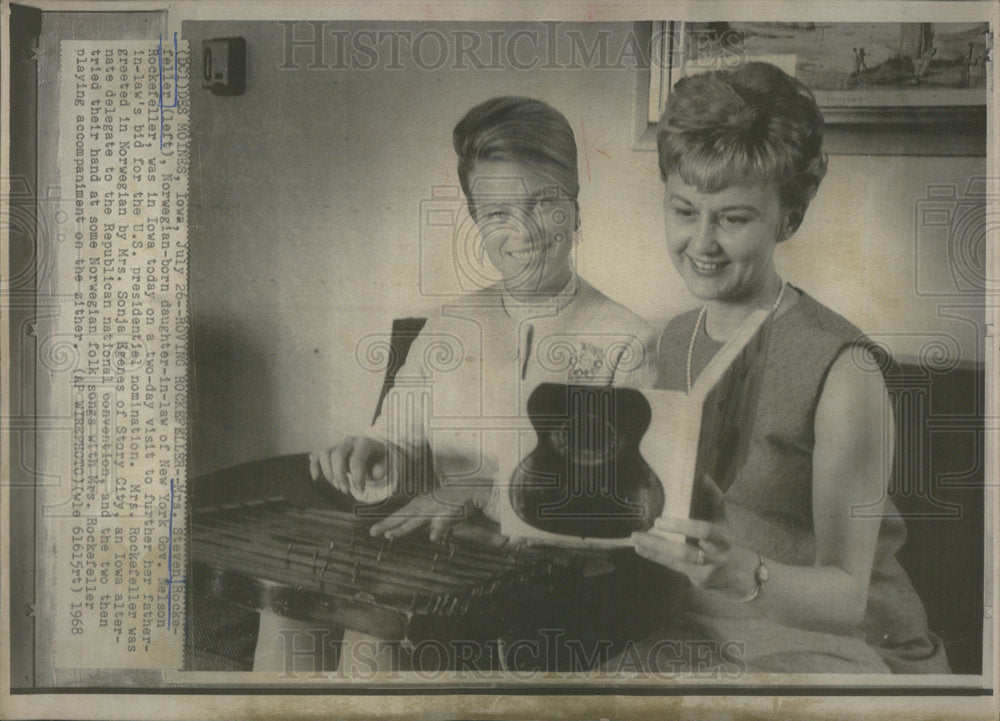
(760, 576)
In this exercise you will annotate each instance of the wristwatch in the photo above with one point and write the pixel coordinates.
(760, 576)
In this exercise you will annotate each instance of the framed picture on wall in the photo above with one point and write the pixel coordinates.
(884, 72)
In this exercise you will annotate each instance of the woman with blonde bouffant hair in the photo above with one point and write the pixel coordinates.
(781, 569)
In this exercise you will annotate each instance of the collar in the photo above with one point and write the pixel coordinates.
(543, 304)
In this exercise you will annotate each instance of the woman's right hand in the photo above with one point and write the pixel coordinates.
(357, 467)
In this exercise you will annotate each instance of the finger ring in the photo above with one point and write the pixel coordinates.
(701, 557)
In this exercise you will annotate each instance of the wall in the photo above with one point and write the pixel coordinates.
(306, 200)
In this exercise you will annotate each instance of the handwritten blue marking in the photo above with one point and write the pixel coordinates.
(159, 69)
(170, 556)
(170, 533)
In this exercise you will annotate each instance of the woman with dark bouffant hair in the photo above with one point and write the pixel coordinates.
(480, 356)
(538, 321)
(785, 575)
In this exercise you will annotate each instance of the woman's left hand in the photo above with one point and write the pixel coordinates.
(438, 509)
(716, 562)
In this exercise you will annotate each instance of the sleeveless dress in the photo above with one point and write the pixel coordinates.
(769, 506)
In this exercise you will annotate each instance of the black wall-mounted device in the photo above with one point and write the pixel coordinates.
(224, 65)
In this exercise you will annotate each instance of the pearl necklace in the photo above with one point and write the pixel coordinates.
(701, 318)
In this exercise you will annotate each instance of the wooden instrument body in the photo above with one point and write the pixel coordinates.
(656, 443)
(585, 476)
(323, 566)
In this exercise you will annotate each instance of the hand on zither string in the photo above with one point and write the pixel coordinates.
(439, 509)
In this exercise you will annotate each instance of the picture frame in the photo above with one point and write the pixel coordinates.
(922, 78)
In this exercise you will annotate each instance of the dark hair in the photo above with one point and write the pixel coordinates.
(520, 130)
(751, 124)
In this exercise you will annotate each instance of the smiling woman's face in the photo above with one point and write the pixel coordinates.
(723, 243)
(526, 223)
